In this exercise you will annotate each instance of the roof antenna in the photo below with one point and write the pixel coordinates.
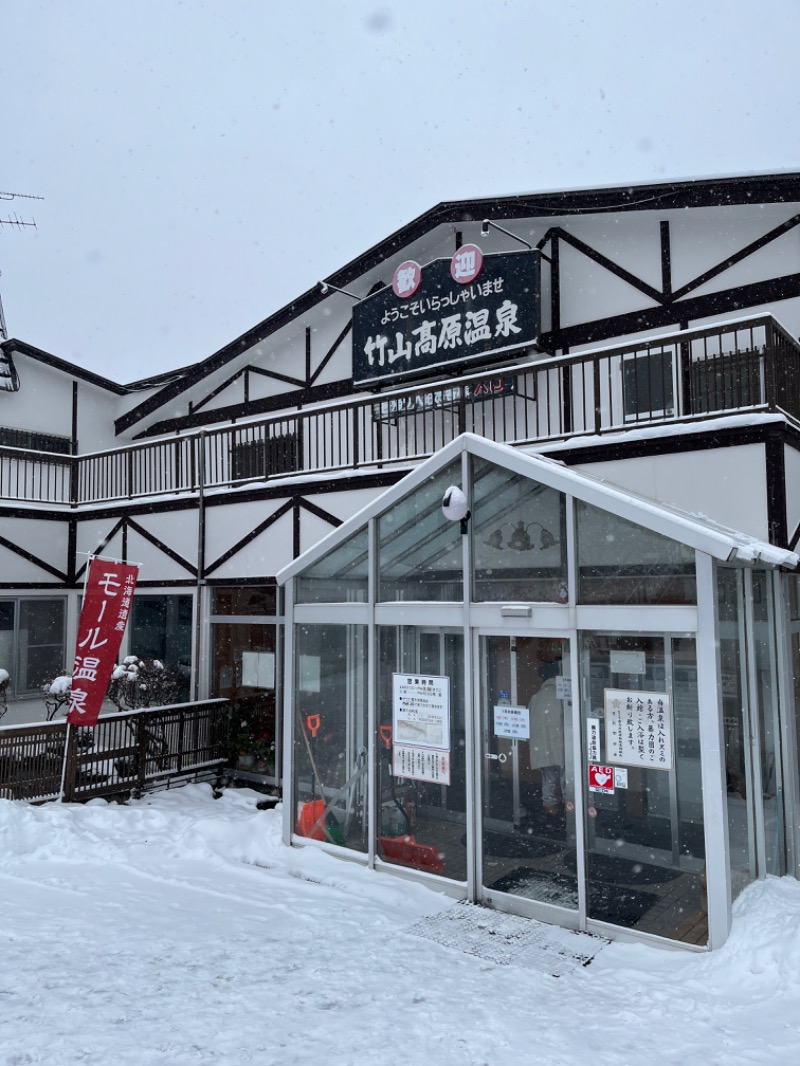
(16, 220)
(20, 223)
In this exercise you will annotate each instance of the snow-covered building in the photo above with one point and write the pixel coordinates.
(571, 693)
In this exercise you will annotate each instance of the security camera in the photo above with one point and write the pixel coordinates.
(455, 506)
(323, 287)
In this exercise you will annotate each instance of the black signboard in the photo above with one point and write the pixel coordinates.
(446, 324)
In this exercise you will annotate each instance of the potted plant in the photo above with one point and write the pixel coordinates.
(264, 750)
(244, 746)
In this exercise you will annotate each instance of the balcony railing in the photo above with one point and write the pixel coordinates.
(751, 365)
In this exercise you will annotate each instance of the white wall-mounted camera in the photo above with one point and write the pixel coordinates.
(455, 506)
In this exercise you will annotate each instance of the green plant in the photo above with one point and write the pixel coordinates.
(255, 742)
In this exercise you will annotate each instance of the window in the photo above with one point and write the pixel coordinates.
(620, 562)
(245, 669)
(648, 384)
(519, 537)
(330, 744)
(420, 552)
(245, 600)
(340, 576)
(161, 628)
(32, 642)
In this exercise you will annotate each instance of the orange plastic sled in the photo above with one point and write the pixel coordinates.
(406, 851)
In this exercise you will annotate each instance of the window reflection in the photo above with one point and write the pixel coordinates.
(419, 549)
(161, 629)
(422, 821)
(621, 562)
(339, 577)
(330, 741)
(519, 537)
(645, 829)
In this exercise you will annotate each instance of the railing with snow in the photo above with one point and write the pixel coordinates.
(126, 752)
(751, 365)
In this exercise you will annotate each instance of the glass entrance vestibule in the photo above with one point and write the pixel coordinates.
(546, 696)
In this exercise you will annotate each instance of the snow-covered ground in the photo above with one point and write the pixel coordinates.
(179, 930)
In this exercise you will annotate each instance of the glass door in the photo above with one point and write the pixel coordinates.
(645, 845)
(526, 824)
(422, 769)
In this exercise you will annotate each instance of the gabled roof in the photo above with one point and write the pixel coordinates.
(14, 345)
(667, 195)
(719, 542)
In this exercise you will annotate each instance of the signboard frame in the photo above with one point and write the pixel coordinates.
(447, 325)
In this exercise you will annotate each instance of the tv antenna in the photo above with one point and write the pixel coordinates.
(19, 223)
(16, 220)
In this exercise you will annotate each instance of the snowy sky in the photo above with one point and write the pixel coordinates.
(179, 931)
(202, 162)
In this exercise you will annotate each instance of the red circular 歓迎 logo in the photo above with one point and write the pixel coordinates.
(407, 279)
(466, 264)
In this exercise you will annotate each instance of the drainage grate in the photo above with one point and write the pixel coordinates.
(507, 939)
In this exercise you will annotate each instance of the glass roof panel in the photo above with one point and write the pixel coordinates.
(622, 562)
(341, 576)
(519, 537)
(419, 549)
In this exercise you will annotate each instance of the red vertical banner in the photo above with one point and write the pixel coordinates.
(106, 606)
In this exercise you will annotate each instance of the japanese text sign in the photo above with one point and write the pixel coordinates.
(421, 727)
(513, 722)
(439, 399)
(443, 322)
(421, 710)
(421, 764)
(639, 728)
(106, 606)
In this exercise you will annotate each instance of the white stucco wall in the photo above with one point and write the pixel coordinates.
(727, 485)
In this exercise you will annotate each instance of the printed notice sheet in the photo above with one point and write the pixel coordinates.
(638, 728)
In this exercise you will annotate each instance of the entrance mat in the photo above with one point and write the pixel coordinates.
(651, 832)
(509, 940)
(519, 845)
(606, 903)
(621, 871)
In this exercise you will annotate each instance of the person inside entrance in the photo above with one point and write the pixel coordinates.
(547, 733)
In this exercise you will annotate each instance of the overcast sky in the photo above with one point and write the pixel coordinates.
(202, 163)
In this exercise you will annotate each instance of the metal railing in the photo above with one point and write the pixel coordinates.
(750, 365)
(126, 752)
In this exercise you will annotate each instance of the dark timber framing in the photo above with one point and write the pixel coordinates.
(667, 307)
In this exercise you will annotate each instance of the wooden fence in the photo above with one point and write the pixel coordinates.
(126, 752)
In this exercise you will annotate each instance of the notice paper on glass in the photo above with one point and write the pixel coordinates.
(513, 722)
(258, 669)
(421, 764)
(638, 728)
(310, 673)
(421, 710)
